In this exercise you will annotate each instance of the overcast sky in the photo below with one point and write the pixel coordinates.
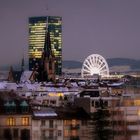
(110, 28)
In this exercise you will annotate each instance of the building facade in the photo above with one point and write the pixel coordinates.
(38, 27)
(15, 120)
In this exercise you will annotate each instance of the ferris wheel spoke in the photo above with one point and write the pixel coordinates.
(89, 64)
(95, 61)
(85, 70)
(91, 61)
(85, 65)
(101, 65)
(100, 62)
(104, 66)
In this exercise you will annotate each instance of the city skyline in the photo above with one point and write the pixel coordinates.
(109, 28)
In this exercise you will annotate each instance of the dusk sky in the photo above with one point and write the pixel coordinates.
(110, 28)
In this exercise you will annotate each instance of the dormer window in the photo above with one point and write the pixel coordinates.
(7, 107)
(24, 107)
(10, 107)
(13, 107)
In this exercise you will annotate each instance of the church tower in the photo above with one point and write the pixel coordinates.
(46, 69)
(49, 61)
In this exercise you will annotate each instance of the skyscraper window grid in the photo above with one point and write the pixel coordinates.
(37, 30)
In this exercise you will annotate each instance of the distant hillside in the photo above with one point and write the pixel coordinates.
(134, 64)
(71, 64)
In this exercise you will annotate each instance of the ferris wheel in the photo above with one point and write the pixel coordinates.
(95, 64)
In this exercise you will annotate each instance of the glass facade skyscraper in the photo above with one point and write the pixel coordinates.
(38, 27)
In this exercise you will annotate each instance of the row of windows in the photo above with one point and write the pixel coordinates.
(68, 133)
(12, 121)
(10, 134)
(97, 104)
(51, 134)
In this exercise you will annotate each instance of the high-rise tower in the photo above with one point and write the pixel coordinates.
(37, 30)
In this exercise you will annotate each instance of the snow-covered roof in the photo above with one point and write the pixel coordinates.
(29, 86)
(45, 112)
(3, 85)
(11, 86)
(7, 85)
(25, 76)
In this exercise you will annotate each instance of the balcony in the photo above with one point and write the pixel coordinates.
(46, 127)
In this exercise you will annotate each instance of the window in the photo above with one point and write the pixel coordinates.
(7, 134)
(43, 133)
(73, 122)
(53, 102)
(66, 133)
(15, 133)
(25, 121)
(11, 121)
(84, 122)
(67, 122)
(43, 122)
(92, 103)
(105, 103)
(97, 104)
(24, 107)
(59, 122)
(59, 133)
(51, 134)
(51, 123)
(25, 134)
(74, 133)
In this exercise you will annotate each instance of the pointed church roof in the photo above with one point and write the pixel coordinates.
(14, 76)
(22, 64)
(47, 44)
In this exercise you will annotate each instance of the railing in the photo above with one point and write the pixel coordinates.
(54, 127)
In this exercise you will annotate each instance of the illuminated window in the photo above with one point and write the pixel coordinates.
(66, 133)
(74, 133)
(136, 102)
(74, 122)
(11, 121)
(67, 122)
(25, 120)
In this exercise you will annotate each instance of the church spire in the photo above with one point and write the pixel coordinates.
(47, 44)
(22, 64)
(46, 71)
